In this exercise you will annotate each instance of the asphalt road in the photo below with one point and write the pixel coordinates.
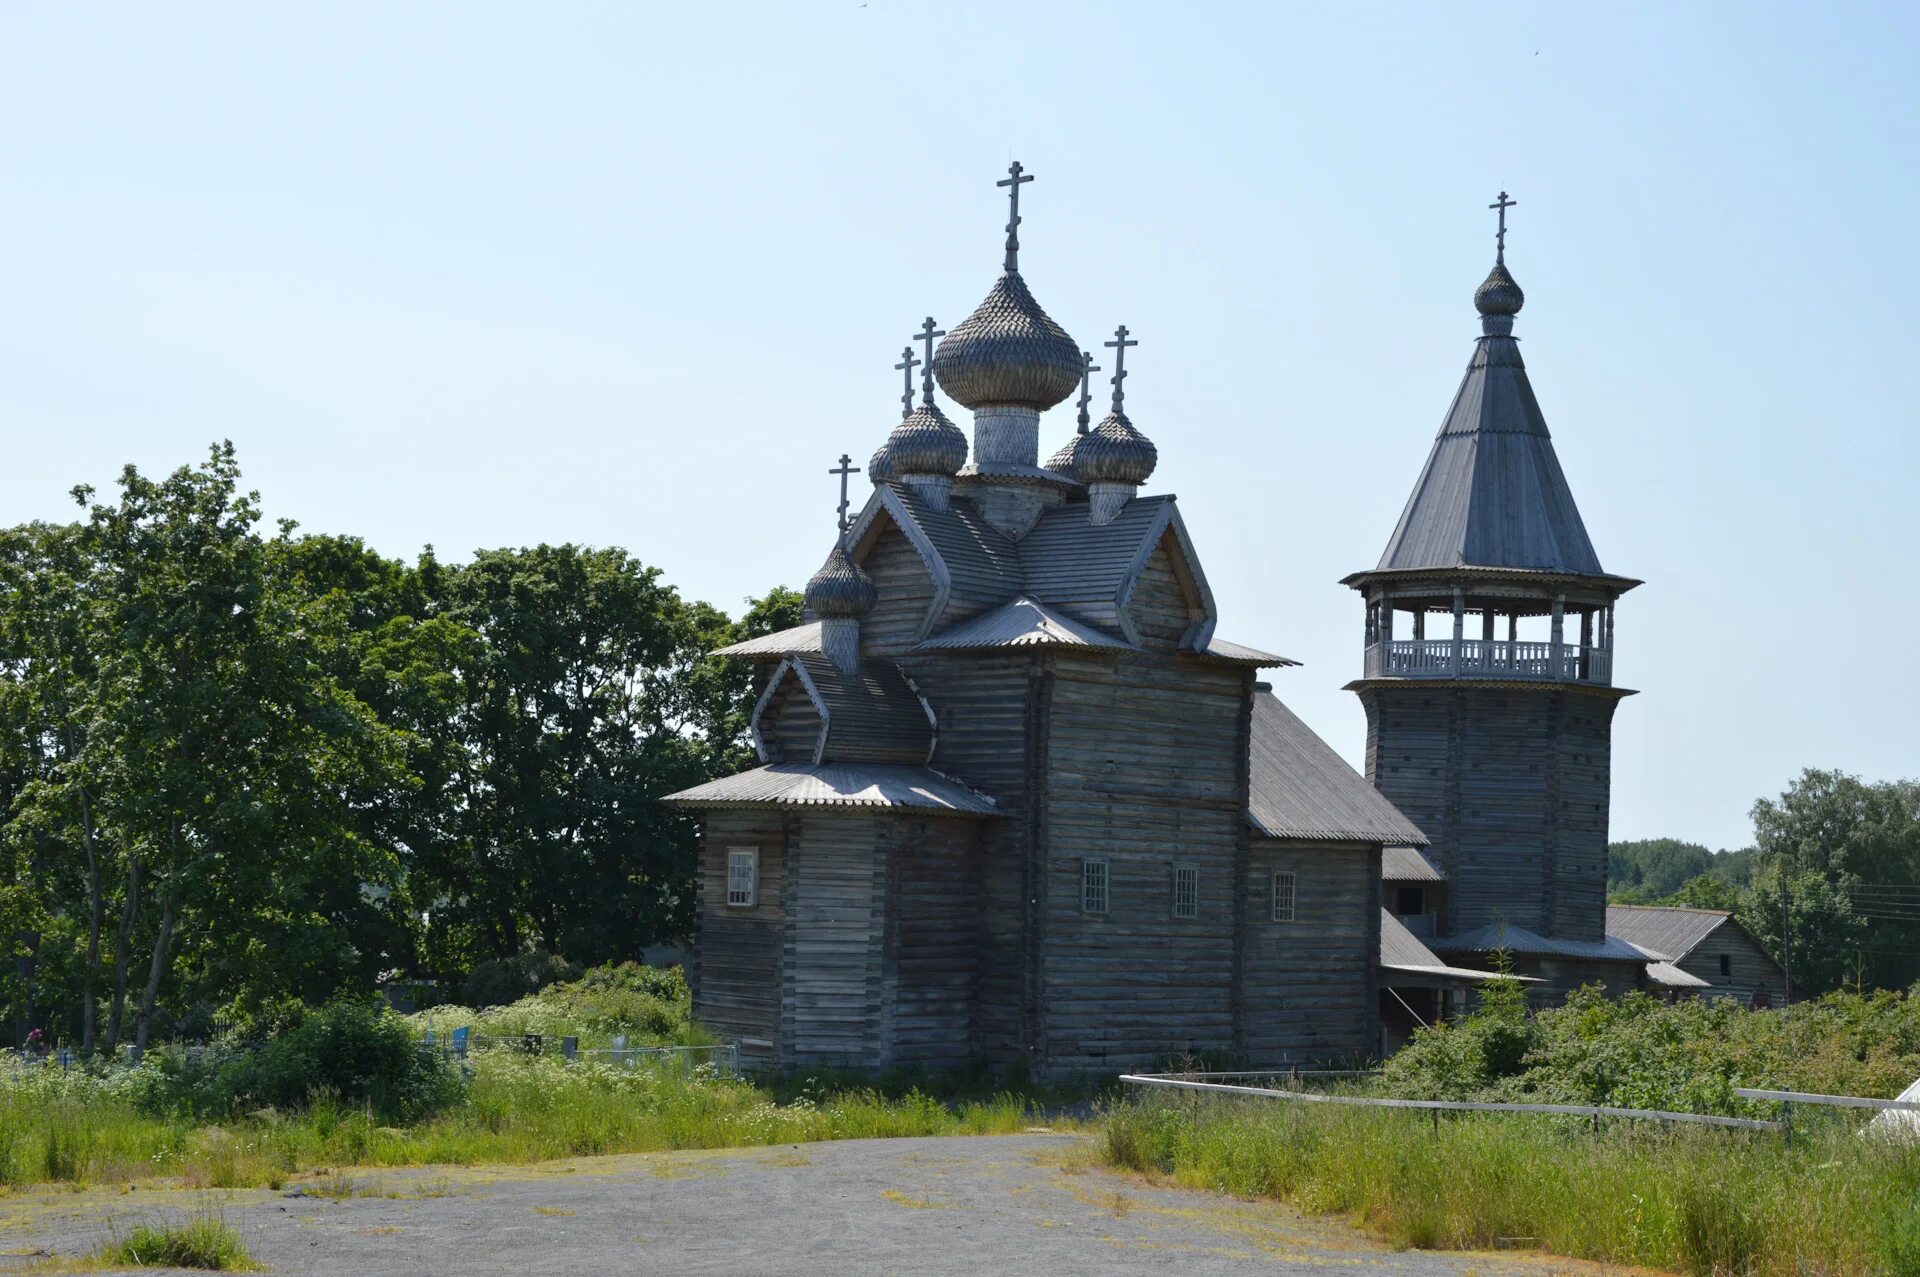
(1028, 1204)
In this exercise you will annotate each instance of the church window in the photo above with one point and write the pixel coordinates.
(743, 877)
(1186, 891)
(1093, 885)
(1726, 965)
(1283, 895)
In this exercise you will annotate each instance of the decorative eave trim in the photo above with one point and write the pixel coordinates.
(1187, 563)
(1471, 572)
(926, 707)
(1530, 684)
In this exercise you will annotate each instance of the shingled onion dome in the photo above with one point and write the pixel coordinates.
(1062, 461)
(1498, 300)
(839, 594)
(1113, 459)
(925, 451)
(880, 466)
(1008, 361)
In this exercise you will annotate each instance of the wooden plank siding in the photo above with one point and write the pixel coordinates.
(1159, 607)
(833, 1008)
(1752, 971)
(735, 973)
(790, 724)
(932, 940)
(906, 591)
(1145, 766)
(1311, 986)
(1511, 785)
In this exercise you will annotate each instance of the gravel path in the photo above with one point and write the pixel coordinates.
(1025, 1204)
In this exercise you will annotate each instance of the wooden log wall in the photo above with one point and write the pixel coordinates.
(1311, 986)
(1752, 971)
(735, 971)
(834, 1011)
(1511, 784)
(932, 940)
(1145, 766)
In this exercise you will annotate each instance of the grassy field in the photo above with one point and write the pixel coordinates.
(76, 1128)
(1690, 1199)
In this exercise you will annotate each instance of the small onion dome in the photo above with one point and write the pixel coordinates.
(925, 442)
(840, 588)
(1061, 462)
(1114, 452)
(880, 467)
(1008, 353)
(1499, 295)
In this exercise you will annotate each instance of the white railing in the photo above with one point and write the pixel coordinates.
(1489, 658)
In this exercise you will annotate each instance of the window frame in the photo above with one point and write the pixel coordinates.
(1096, 875)
(750, 857)
(1190, 871)
(1726, 966)
(1274, 911)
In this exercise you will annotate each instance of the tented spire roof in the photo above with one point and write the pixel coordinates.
(1492, 494)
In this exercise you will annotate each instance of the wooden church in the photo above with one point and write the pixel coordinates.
(1018, 802)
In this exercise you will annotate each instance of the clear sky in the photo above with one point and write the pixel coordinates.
(490, 274)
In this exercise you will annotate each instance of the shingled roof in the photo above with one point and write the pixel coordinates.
(1670, 933)
(1403, 955)
(877, 785)
(1300, 788)
(1492, 493)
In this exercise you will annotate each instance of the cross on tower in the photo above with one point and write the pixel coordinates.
(1015, 176)
(1500, 240)
(1087, 369)
(926, 334)
(844, 469)
(906, 366)
(1119, 346)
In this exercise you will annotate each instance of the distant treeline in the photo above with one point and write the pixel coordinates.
(1849, 851)
(239, 770)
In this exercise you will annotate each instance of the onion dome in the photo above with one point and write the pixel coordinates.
(1061, 462)
(1114, 452)
(880, 466)
(1008, 353)
(1499, 295)
(840, 589)
(926, 442)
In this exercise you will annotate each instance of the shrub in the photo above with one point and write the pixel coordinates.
(352, 1049)
(506, 980)
(204, 1241)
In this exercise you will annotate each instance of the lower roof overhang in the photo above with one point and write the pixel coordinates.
(1530, 684)
(1465, 573)
(1397, 976)
(881, 788)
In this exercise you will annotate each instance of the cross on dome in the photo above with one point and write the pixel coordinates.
(845, 469)
(1119, 346)
(1087, 369)
(1016, 175)
(926, 335)
(1500, 240)
(906, 366)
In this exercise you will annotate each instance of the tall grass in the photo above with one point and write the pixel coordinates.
(202, 1241)
(514, 1109)
(1693, 1200)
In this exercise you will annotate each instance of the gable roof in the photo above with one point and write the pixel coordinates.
(1025, 622)
(1492, 493)
(1669, 976)
(1300, 788)
(1668, 933)
(871, 715)
(882, 785)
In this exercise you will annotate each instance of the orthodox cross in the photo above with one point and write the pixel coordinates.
(1015, 176)
(844, 469)
(906, 366)
(1119, 346)
(1500, 241)
(926, 334)
(1087, 369)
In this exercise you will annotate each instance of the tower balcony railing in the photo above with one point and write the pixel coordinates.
(1490, 658)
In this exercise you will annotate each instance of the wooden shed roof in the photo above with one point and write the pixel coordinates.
(1668, 933)
(1402, 955)
(1407, 864)
(919, 790)
(1503, 935)
(1492, 493)
(1669, 976)
(1300, 788)
(801, 638)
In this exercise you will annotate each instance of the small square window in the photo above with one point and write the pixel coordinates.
(1186, 891)
(743, 877)
(1409, 901)
(1283, 895)
(1093, 886)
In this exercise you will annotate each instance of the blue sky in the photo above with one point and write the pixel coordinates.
(481, 275)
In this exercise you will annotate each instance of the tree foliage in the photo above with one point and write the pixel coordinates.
(246, 770)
